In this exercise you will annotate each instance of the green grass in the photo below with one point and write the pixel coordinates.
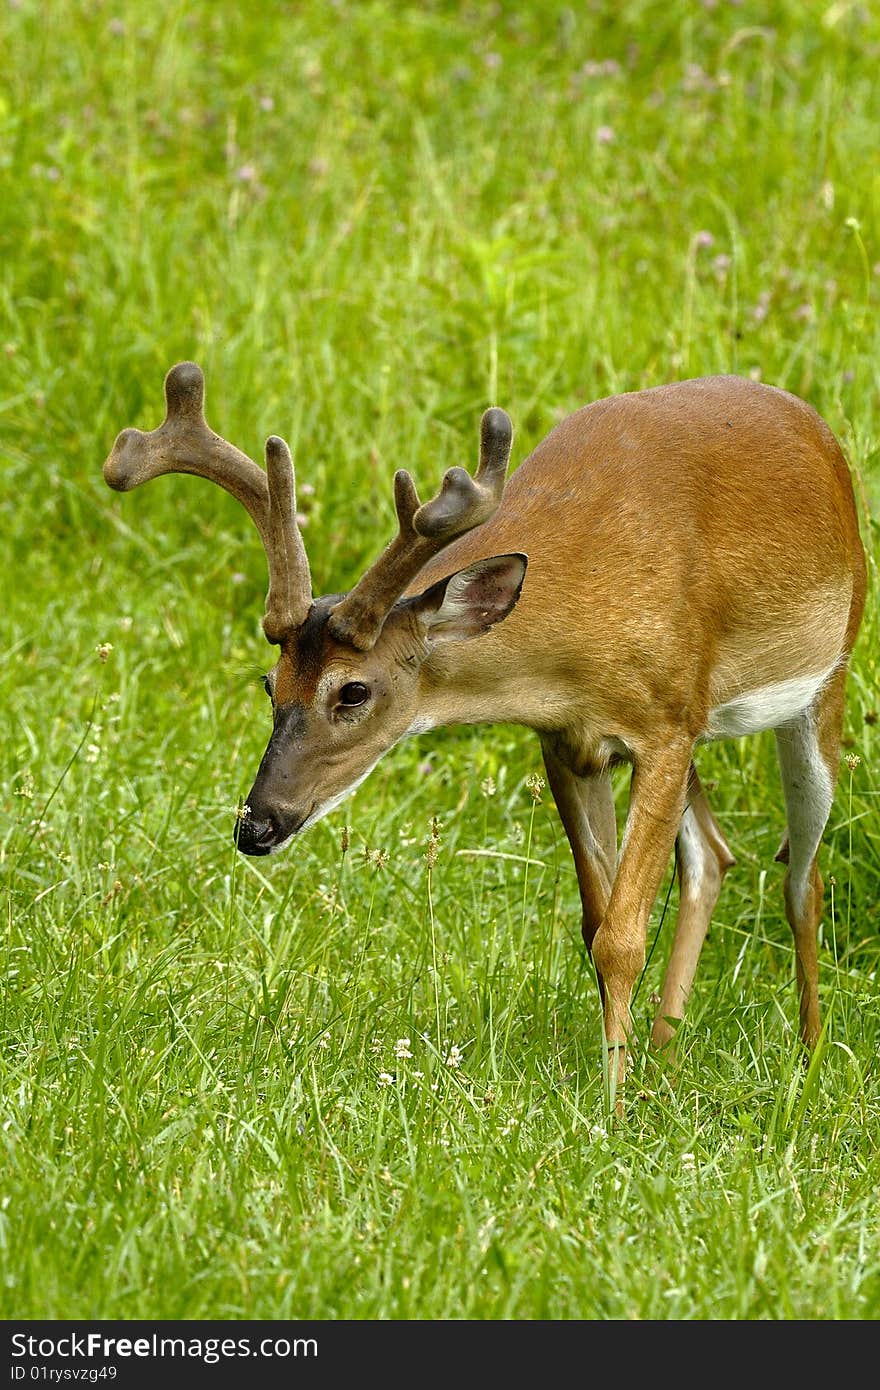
(367, 222)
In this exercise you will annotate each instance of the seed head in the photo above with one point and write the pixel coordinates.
(433, 845)
(535, 785)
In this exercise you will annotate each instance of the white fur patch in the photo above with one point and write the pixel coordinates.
(692, 849)
(809, 792)
(420, 725)
(765, 708)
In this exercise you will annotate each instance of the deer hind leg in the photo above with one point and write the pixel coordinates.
(702, 858)
(586, 809)
(809, 751)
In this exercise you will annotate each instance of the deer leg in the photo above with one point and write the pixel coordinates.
(586, 809)
(702, 858)
(657, 800)
(809, 751)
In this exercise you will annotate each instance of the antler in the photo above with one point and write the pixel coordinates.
(185, 443)
(461, 504)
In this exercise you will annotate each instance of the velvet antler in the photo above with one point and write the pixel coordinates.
(185, 443)
(461, 504)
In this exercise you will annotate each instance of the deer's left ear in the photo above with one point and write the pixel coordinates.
(468, 603)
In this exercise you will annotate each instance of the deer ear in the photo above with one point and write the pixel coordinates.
(468, 603)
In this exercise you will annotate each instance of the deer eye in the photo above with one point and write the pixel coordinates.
(354, 693)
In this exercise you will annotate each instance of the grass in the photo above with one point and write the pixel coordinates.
(367, 222)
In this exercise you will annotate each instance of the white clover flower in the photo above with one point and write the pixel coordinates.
(385, 1078)
(454, 1058)
(402, 1048)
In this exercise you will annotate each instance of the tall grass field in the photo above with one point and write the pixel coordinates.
(364, 1079)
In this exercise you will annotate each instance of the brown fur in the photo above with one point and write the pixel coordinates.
(684, 543)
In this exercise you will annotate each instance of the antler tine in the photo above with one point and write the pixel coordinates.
(185, 443)
(465, 502)
(290, 587)
(462, 503)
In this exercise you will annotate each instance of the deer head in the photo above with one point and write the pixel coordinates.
(346, 685)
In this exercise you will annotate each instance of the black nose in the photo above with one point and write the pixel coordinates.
(254, 836)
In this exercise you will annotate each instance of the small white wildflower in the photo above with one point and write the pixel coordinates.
(376, 1046)
(418, 1075)
(488, 787)
(402, 1048)
(689, 1163)
(324, 1042)
(454, 1058)
(104, 649)
(385, 1078)
(242, 812)
(852, 761)
(93, 753)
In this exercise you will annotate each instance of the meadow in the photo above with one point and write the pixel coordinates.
(354, 1081)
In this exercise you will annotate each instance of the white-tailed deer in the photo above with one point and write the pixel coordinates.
(694, 572)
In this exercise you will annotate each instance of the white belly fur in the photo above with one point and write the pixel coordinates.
(765, 708)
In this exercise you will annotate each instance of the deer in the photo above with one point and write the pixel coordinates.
(669, 566)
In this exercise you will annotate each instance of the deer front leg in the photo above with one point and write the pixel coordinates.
(586, 809)
(657, 799)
